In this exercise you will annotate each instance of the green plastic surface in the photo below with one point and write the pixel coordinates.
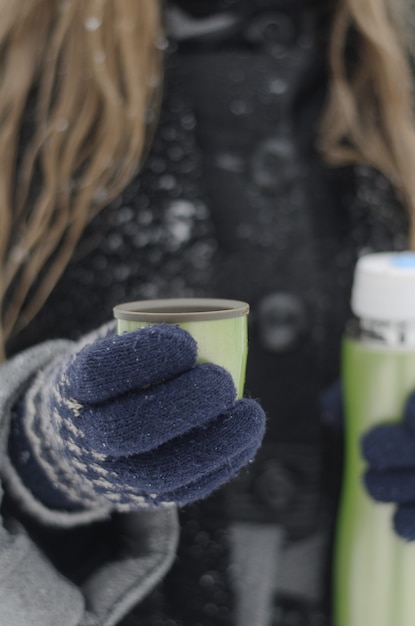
(374, 570)
(223, 341)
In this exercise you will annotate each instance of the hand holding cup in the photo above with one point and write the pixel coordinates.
(131, 421)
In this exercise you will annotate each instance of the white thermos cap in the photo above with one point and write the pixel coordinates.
(384, 287)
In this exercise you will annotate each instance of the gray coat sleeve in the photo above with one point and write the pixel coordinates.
(32, 591)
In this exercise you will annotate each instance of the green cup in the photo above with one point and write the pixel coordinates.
(219, 326)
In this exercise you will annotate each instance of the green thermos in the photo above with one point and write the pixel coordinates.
(374, 570)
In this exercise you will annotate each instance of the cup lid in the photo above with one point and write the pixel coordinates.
(180, 310)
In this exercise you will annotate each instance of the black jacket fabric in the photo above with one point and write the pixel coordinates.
(235, 202)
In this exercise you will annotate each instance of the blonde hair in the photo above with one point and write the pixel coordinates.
(369, 113)
(93, 68)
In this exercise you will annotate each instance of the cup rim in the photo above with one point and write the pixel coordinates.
(198, 309)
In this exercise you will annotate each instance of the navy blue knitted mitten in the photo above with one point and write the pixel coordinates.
(390, 452)
(132, 421)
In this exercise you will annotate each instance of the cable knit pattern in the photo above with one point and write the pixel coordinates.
(132, 421)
